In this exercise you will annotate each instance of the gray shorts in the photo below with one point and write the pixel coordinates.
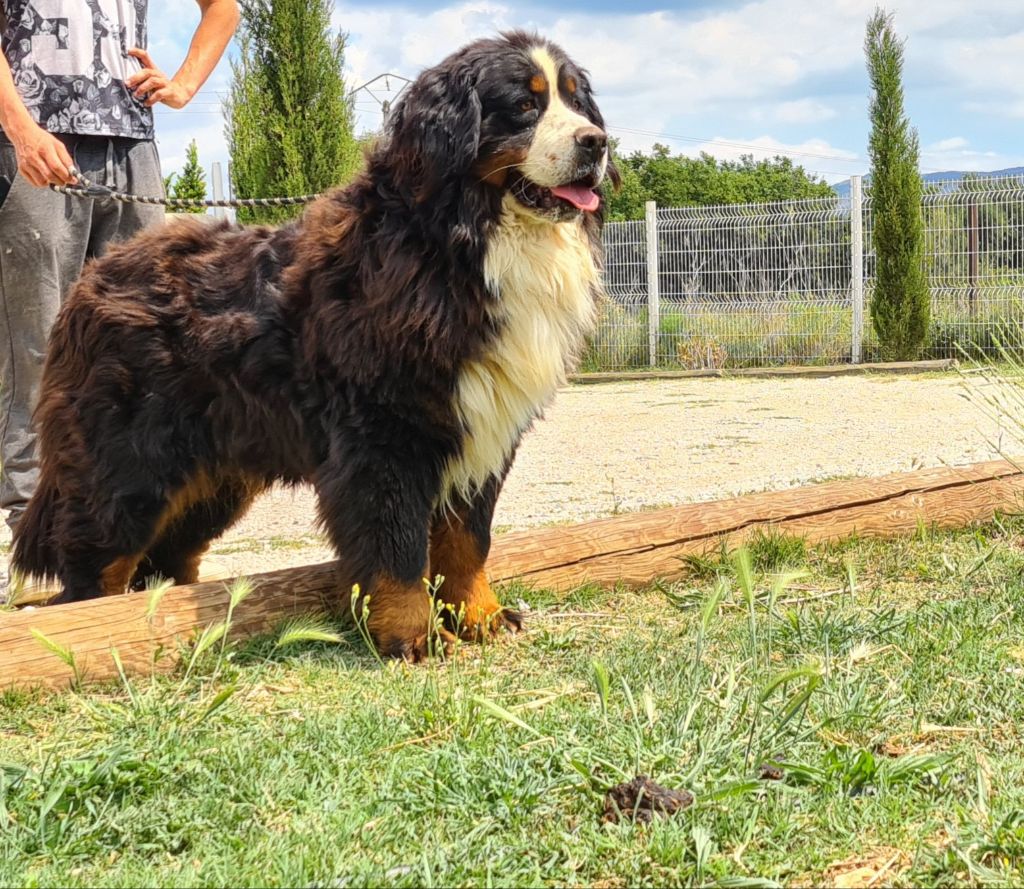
(45, 239)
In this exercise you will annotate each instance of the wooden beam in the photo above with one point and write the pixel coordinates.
(90, 629)
(789, 371)
(634, 549)
(639, 547)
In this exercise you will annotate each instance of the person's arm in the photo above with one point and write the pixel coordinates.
(216, 27)
(42, 158)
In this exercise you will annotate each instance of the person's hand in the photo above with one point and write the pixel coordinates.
(154, 86)
(42, 158)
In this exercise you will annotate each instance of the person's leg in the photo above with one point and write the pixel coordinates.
(131, 166)
(43, 240)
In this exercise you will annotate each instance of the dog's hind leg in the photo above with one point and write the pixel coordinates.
(460, 540)
(185, 538)
(104, 539)
(98, 558)
(375, 505)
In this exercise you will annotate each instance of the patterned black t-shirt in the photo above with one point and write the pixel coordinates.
(70, 60)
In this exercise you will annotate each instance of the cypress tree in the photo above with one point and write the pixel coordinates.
(289, 123)
(190, 185)
(901, 303)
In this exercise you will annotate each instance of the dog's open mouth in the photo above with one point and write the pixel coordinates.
(579, 194)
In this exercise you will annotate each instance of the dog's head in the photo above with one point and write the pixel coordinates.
(513, 114)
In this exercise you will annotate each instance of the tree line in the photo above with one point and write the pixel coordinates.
(290, 131)
(676, 180)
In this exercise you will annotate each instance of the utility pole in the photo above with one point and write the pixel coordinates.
(386, 103)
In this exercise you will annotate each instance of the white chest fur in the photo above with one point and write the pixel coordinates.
(545, 279)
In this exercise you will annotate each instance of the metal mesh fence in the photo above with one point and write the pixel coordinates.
(621, 338)
(974, 260)
(753, 285)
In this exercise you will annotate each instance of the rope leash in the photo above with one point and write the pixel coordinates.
(89, 189)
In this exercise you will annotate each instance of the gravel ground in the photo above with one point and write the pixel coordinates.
(618, 447)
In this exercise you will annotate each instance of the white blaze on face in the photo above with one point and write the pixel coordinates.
(551, 159)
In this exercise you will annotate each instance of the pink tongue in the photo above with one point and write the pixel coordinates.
(578, 195)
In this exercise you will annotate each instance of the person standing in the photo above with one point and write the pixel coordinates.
(77, 90)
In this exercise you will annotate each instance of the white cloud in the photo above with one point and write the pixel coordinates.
(956, 153)
(811, 153)
(952, 144)
(801, 111)
(779, 64)
(767, 146)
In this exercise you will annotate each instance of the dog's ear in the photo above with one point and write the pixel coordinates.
(435, 131)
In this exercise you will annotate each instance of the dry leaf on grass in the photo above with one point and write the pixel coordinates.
(868, 871)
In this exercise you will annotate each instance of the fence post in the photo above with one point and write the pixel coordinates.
(653, 294)
(857, 267)
(217, 185)
(972, 256)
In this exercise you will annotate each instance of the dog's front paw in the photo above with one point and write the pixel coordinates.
(478, 626)
(416, 649)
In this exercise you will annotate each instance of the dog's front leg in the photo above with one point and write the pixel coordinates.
(375, 505)
(460, 541)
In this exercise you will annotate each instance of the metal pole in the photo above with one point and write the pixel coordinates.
(653, 292)
(972, 256)
(217, 184)
(857, 267)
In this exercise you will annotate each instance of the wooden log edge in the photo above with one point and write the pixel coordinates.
(788, 372)
(634, 549)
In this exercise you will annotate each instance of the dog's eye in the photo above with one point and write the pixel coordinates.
(577, 105)
(528, 105)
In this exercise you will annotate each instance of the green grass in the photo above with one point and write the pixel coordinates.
(885, 683)
(796, 332)
(772, 550)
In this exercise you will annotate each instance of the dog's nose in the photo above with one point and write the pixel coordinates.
(591, 141)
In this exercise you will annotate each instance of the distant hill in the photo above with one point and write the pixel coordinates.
(951, 177)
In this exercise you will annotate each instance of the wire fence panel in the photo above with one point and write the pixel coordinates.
(743, 285)
(754, 285)
(974, 261)
(621, 338)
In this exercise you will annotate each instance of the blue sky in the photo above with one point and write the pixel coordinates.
(766, 77)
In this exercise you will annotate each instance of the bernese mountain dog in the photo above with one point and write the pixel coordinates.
(391, 348)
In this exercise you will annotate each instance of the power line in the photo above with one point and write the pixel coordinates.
(386, 104)
(674, 137)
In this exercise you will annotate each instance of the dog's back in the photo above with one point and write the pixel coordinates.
(148, 357)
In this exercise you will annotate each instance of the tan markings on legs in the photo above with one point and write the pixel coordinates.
(455, 554)
(190, 567)
(114, 579)
(400, 617)
(187, 559)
